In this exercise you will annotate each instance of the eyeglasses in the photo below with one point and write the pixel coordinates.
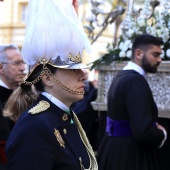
(15, 63)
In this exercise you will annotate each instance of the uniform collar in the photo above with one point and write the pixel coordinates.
(55, 101)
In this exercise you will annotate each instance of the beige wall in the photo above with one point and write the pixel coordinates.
(11, 28)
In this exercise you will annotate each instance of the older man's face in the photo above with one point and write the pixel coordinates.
(12, 72)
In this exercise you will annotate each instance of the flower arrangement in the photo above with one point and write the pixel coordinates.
(151, 19)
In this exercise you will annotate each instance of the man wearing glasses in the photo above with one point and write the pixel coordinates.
(12, 73)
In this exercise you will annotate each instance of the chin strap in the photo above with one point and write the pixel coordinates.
(67, 88)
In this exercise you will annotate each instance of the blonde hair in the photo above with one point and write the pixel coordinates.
(23, 97)
(19, 101)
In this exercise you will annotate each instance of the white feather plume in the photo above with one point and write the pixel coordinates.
(53, 29)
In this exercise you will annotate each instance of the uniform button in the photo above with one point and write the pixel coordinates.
(65, 117)
(65, 131)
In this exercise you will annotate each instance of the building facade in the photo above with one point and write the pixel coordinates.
(12, 21)
(12, 26)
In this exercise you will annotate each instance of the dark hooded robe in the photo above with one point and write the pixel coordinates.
(132, 139)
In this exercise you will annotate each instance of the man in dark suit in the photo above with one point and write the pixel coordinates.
(133, 133)
(12, 73)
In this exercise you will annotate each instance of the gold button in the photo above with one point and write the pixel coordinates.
(65, 131)
(65, 117)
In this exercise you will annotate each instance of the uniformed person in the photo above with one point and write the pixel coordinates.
(47, 134)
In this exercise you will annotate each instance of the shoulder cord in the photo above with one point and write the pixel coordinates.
(93, 161)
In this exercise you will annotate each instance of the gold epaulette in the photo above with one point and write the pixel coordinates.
(41, 106)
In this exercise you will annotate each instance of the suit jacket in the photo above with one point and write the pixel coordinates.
(5, 126)
(45, 141)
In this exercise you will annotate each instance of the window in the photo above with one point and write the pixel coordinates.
(24, 12)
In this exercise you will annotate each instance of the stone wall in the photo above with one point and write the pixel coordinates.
(159, 83)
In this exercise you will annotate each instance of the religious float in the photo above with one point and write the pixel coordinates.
(153, 18)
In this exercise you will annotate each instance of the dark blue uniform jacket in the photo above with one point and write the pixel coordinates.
(33, 145)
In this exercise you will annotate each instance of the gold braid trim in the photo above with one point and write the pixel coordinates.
(48, 72)
(93, 161)
(76, 59)
(44, 71)
(40, 107)
(67, 88)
